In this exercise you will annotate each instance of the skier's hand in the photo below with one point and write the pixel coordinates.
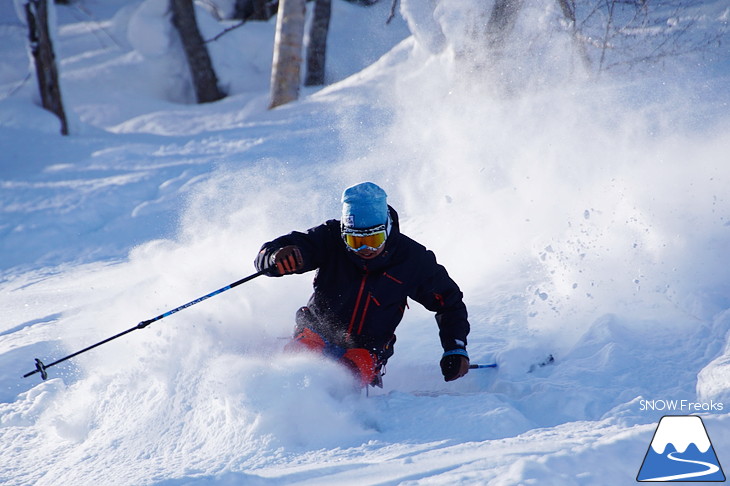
(283, 261)
(288, 260)
(454, 365)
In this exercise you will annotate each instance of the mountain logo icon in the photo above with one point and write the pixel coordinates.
(680, 451)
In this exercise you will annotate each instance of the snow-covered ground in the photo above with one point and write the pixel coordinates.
(583, 217)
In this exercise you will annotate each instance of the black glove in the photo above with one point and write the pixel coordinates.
(265, 261)
(283, 261)
(454, 364)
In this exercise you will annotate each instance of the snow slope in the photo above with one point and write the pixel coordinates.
(583, 217)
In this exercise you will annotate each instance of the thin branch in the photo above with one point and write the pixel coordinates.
(20, 84)
(225, 31)
(391, 15)
(609, 6)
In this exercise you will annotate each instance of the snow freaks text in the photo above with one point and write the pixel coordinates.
(684, 406)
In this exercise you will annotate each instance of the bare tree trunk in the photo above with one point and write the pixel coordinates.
(609, 21)
(285, 76)
(201, 67)
(256, 9)
(252, 10)
(317, 48)
(41, 47)
(568, 8)
(488, 29)
(501, 22)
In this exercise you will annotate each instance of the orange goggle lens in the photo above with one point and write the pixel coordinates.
(361, 241)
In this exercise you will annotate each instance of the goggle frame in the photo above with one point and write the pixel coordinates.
(357, 235)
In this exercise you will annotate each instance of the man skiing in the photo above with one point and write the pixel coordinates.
(366, 270)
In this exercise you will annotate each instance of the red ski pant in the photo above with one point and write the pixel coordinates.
(360, 361)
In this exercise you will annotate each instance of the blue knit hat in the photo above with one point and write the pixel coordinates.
(364, 205)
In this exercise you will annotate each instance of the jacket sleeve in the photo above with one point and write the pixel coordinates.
(438, 293)
(314, 244)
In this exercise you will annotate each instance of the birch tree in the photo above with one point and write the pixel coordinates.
(286, 65)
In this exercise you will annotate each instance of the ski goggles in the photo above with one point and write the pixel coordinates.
(365, 239)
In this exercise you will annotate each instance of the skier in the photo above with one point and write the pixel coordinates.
(366, 270)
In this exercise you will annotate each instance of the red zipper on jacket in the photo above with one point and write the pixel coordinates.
(392, 278)
(365, 310)
(357, 305)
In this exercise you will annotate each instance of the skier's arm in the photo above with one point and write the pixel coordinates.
(296, 252)
(440, 294)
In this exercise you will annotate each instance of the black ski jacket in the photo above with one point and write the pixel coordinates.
(358, 302)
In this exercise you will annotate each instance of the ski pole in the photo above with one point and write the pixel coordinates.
(481, 366)
(41, 368)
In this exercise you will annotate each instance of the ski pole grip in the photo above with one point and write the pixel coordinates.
(482, 366)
